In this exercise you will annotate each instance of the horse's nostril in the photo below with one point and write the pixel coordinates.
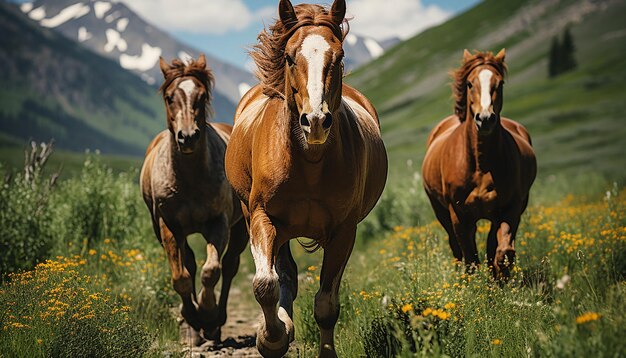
(304, 120)
(328, 121)
(180, 137)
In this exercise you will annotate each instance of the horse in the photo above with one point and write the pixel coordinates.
(186, 191)
(479, 165)
(307, 160)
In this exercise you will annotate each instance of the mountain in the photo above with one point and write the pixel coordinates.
(576, 120)
(113, 30)
(51, 87)
(361, 49)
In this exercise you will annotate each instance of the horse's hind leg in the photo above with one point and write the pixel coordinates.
(276, 327)
(230, 266)
(288, 277)
(336, 255)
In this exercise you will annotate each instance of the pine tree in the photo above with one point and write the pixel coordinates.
(553, 60)
(568, 49)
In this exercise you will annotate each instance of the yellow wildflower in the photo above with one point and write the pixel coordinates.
(587, 317)
(449, 306)
(407, 307)
(92, 252)
(496, 342)
(312, 268)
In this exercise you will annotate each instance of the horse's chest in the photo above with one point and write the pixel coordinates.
(483, 197)
(191, 210)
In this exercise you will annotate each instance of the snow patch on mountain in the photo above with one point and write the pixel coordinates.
(75, 11)
(101, 8)
(352, 39)
(373, 47)
(112, 17)
(147, 60)
(83, 34)
(121, 24)
(38, 14)
(26, 7)
(243, 88)
(115, 40)
(185, 57)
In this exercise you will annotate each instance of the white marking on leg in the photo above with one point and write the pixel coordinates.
(261, 263)
(485, 91)
(314, 49)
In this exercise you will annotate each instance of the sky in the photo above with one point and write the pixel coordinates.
(227, 28)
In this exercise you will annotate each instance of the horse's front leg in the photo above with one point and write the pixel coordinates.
(288, 277)
(175, 245)
(465, 231)
(505, 251)
(216, 233)
(276, 328)
(336, 254)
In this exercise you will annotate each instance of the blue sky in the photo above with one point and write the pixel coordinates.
(226, 28)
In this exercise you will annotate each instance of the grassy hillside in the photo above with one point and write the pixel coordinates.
(576, 120)
(51, 87)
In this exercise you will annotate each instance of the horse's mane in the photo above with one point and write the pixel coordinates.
(459, 87)
(192, 68)
(269, 52)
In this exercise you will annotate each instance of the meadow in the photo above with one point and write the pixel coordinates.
(83, 275)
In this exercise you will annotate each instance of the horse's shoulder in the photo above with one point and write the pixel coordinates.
(250, 108)
(519, 133)
(445, 126)
(360, 99)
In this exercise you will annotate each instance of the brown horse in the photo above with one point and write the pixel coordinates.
(186, 190)
(479, 165)
(307, 160)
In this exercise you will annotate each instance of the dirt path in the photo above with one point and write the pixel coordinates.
(238, 334)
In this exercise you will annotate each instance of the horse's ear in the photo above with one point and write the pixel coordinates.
(501, 55)
(338, 11)
(287, 13)
(466, 55)
(164, 66)
(201, 61)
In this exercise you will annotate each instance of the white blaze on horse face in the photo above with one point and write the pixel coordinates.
(187, 86)
(314, 49)
(485, 91)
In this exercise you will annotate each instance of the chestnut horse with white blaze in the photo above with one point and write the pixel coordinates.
(307, 159)
(479, 165)
(185, 188)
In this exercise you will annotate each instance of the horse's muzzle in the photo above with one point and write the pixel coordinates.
(316, 127)
(187, 140)
(485, 124)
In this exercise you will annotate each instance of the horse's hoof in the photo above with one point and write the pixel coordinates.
(189, 336)
(214, 334)
(272, 349)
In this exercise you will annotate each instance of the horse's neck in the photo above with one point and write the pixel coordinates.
(483, 151)
(189, 166)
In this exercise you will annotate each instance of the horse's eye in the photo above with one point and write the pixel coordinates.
(289, 60)
(469, 85)
(169, 99)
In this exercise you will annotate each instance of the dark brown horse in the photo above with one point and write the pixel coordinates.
(186, 190)
(479, 165)
(307, 160)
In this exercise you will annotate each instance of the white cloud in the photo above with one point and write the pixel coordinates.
(199, 16)
(383, 19)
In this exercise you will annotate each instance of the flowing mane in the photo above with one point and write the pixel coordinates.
(180, 69)
(459, 87)
(269, 52)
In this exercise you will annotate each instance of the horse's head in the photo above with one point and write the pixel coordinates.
(484, 84)
(313, 64)
(187, 95)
